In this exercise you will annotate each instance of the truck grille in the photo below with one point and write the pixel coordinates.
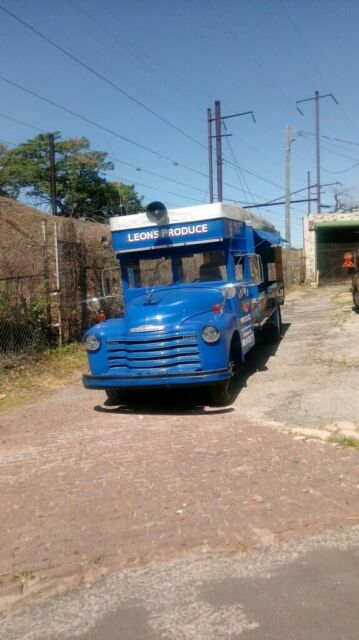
(150, 355)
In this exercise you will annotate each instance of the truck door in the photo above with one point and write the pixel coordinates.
(243, 307)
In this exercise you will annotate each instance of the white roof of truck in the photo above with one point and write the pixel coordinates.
(192, 214)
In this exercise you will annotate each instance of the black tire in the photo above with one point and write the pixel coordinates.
(114, 397)
(356, 298)
(272, 330)
(222, 393)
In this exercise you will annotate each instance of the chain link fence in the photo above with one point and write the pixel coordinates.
(23, 310)
(48, 269)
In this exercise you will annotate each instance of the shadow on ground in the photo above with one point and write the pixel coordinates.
(191, 400)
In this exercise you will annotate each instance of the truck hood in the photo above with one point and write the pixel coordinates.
(169, 307)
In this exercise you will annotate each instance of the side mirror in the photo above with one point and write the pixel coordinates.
(229, 291)
(110, 280)
(94, 304)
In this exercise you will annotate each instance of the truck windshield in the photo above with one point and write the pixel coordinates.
(204, 266)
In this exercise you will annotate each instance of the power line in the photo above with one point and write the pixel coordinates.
(336, 153)
(256, 175)
(239, 173)
(100, 76)
(129, 164)
(172, 193)
(157, 175)
(93, 123)
(103, 128)
(111, 157)
(311, 133)
(262, 69)
(153, 63)
(26, 124)
(343, 170)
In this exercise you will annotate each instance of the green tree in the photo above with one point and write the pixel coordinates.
(121, 199)
(6, 189)
(82, 190)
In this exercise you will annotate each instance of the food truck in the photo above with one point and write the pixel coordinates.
(201, 285)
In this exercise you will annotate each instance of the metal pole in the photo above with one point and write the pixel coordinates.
(219, 150)
(52, 174)
(316, 99)
(317, 134)
(57, 271)
(210, 154)
(287, 182)
(308, 182)
(46, 272)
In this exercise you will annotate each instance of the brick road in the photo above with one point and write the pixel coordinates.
(86, 490)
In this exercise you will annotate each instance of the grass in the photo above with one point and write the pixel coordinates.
(343, 302)
(23, 576)
(96, 561)
(343, 297)
(31, 378)
(345, 441)
(297, 286)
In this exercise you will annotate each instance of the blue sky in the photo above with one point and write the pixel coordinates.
(177, 58)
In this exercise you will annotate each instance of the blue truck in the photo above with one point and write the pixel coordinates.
(200, 285)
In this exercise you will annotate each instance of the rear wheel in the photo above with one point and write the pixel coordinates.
(114, 397)
(272, 330)
(356, 298)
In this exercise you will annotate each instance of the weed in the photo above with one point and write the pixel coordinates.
(96, 561)
(342, 298)
(25, 380)
(344, 441)
(233, 549)
(23, 576)
(295, 287)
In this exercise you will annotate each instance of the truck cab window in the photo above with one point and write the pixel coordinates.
(255, 263)
(239, 267)
(272, 272)
(212, 268)
(208, 266)
(149, 272)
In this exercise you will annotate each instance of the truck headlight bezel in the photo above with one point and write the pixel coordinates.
(92, 342)
(210, 334)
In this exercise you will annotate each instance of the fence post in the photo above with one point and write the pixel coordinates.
(46, 273)
(57, 271)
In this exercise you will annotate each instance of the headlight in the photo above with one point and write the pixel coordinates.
(91, 342)
(210, 334)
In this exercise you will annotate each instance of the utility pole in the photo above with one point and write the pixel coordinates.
(309, 194)
(317, 148)
(218, 119)
(210, 154)
(217, 108)
(316, 98)
(287, 181)
(52, 174)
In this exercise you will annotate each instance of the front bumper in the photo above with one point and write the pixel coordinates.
(166, 380)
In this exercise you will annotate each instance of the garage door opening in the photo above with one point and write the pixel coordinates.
(333, 241)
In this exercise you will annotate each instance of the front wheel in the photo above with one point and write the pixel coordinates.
(114, 397)
(222, 393)
(356, 298)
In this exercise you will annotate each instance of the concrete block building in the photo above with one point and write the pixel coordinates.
(327, 237)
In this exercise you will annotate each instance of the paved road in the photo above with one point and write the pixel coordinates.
(303, 591)
(87, 491)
